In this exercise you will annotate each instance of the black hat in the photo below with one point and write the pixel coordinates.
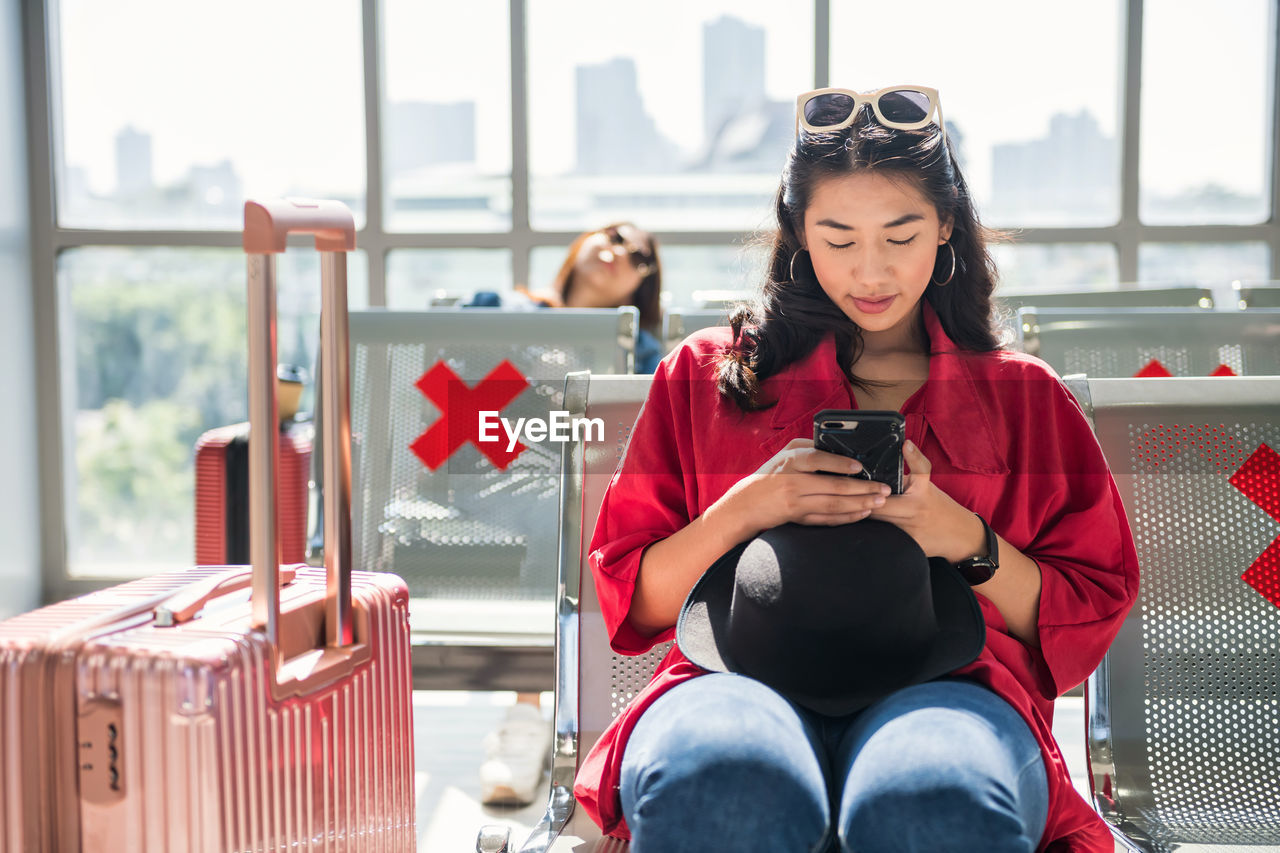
(833, 618)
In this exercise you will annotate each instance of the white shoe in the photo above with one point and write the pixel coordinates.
(516, 757)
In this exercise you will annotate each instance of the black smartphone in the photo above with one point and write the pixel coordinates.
(874, 438)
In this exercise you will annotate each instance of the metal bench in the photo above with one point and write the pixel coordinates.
(1182, 732)
(1183, 715)
(1122, 297)
(1256, 294)
(472, 532)
(679, 323)
(1124, 342)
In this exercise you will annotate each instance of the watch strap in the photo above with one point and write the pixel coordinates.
(980, 569)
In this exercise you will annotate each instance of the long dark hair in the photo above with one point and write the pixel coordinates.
(794, 313)
(647, 297)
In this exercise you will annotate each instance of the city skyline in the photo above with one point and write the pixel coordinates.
(1070, 167)
(1073, 168)
(206, 109)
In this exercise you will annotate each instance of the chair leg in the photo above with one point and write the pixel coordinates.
(493, 838)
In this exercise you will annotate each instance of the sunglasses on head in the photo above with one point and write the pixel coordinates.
(900, 107)
(641, 259)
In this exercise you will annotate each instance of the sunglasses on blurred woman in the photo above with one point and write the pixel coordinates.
(641, 259)
(901, 107)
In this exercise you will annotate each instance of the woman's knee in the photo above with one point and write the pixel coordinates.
(931, 806)
(725, 757)
(723, 727)
(945, 778)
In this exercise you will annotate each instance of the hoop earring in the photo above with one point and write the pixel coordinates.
(952, 274)
(791, 268)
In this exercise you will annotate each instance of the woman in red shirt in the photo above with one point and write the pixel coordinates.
(878, 296)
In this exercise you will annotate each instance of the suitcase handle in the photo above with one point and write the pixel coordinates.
(267, 224)
(184, 605)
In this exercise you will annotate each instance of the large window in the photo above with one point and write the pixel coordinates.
(1054, 267)
(157, 354)
(1030, 96)
(474, 142)
(417, 279)
(446, 116)
(1208, 90)
(172, 116)
(677, 115)
(1201, 263)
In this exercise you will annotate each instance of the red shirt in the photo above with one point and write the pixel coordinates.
(1005, 438)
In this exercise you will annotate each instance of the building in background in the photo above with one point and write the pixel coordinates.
(421, 134)
(615, 134)
(746, 132)
(133, 163)
(1069, 176)
(732, 71)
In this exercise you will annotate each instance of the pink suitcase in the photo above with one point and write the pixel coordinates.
(183, 713)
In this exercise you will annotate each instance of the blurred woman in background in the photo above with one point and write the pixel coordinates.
(614, 266)
(607, 268)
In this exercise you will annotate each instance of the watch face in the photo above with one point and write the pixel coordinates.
(977, 570)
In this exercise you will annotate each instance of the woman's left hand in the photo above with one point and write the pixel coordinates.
(940, 526)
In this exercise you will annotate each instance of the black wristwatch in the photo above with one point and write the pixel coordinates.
(978, 570)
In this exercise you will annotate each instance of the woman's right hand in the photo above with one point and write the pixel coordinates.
(789, 486)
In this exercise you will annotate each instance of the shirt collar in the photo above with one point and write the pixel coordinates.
(949, 401)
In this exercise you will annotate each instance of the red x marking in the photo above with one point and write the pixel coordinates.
(1258, 479)
(460, 407)
(1154, 368)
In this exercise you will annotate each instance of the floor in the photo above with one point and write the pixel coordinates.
(449, 728)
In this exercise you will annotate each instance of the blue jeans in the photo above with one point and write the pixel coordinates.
(722, 762)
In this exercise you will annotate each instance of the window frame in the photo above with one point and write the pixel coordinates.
(48, 239)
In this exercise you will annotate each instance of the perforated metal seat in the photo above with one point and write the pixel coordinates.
(679, 323)
(1183, 717)
(1121, 342)
(475, 537)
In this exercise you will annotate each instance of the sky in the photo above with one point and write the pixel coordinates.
(276, 84)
